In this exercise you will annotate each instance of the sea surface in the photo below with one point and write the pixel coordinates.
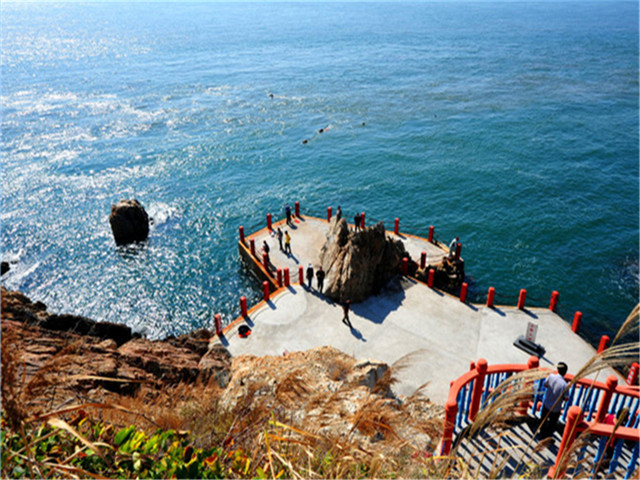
(513, 125)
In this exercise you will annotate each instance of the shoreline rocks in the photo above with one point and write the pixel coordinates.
(103, 354)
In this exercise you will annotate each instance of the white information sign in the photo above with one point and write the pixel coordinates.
(532, 330)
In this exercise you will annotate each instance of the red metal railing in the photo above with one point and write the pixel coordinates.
(586, 398)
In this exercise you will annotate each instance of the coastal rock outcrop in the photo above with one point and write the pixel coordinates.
(359, 264)
(82, 355)
(16, 306)
(129, 222)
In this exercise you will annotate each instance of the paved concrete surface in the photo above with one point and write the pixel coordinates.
(428, 336)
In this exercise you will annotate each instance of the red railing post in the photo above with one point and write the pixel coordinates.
(269, 221)
(217, 318)
(463, 292)
(252, 246)
(298, 209)
(450, 412)
(577, 319)
(287, 282)
(553, 304)
(611, 383)
(405, 266)
(423, 260)
(300, 275)
(574, 417)
(458, 250)
(329, 212)
(521, 298)
(396, 227)
(265, 291)
(241, 231)
(431, 230)
(432, 274)
(243, 306)
(478, 386)
(604, 343)
(265, 261)
(362, 221)
(490, 296)
(279, 276)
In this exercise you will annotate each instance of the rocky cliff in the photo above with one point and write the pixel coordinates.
(50, 361)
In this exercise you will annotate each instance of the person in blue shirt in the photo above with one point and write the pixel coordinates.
(555, 394)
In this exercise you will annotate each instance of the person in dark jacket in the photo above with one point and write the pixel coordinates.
(320, 278)
(345, 309)
(309, 275)
(279, 235)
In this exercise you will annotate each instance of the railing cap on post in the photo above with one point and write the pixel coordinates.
(482, 365)
(533, 362)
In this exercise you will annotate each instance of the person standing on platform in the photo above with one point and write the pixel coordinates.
(320, 278)
(556, 392)
(287, 242)
(265, 249)
(345, 310)
(309, 275)
(287, 212)
(279, 234)
(356, 221)
(452, 246)
(338, 214)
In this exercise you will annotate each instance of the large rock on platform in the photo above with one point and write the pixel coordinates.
(359, 264)
(129, 222)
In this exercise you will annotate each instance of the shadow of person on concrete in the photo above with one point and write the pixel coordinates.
(293, 257)
(357, 333)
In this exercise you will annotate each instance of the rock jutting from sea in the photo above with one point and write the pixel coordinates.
(129, 222)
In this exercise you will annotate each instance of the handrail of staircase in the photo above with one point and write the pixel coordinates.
(469, 391)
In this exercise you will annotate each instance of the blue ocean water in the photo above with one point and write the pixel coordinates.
(511, 124)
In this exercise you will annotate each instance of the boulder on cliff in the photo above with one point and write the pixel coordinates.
(129, 222)
(359, 264)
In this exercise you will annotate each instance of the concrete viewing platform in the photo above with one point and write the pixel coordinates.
(429, 336)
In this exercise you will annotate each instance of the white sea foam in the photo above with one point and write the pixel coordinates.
(161, 212)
